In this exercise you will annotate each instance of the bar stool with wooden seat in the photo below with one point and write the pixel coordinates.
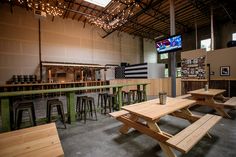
(52, 103)
(24, 106)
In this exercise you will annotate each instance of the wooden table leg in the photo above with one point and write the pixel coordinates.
(5, 114)
(222, 112)
(217, 106)
(125, 128)
(210, 102)
(70, 96)
(166, 149)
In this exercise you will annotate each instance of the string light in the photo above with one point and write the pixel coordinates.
(51, 7)
(118, 13)
(116, 16)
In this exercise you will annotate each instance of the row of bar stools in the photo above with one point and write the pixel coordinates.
(24, 106)
(85, 104)
(59, 105)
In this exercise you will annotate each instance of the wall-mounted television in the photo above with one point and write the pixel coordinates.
(170, 44)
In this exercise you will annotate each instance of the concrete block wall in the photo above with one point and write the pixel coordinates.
(62, 40)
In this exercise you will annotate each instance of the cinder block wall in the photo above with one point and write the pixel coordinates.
(62, 40)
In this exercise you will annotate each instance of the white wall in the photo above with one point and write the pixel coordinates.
(150, 53)
(222, 57)
(156, 70)
(63, 40)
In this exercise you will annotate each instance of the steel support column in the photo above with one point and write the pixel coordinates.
(173, 54)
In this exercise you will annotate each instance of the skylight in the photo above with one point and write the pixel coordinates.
(102, 3)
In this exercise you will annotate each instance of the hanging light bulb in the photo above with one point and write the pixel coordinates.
(114, 17)
(52, 7)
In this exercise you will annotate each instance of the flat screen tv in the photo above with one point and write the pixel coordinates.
(170, 44)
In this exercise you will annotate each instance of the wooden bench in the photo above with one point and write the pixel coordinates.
(119, 113)
(186, 96)
(231, 102)
(187, 138)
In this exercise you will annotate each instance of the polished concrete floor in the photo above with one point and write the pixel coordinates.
(101, 138)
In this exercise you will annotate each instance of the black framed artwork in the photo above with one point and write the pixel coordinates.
(225, 71)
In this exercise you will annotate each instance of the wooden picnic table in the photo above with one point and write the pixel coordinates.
(35, 141)
(144, 117)
(208, 97)
(70, 95)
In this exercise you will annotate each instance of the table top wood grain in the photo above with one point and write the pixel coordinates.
(35, 141)
(152, 110)
(209, 92)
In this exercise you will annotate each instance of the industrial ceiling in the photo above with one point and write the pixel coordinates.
(143, 18)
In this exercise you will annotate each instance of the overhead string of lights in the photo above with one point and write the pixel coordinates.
(116, 16)
(51, 7)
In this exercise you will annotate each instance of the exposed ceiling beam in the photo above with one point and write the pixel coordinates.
(68, 7)
(134, 16)
(201, 6)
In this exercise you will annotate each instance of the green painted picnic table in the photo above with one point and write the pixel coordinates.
(70, 95)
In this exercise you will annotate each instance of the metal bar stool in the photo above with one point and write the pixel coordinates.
(111, 103)
(126, 98)
(24, 106)
(140, 94)
(59, 105)
(102, 100)
(79, 107)
(134, 95)
(87, 105)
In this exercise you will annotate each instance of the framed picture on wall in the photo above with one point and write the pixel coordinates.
(225, 71)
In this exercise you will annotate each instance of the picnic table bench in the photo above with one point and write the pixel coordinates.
(207, 98)
(151, 111)
(231, 102)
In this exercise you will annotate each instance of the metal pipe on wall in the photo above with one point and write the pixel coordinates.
(40, 57)
(212, 31)
(142, 50)
(196, 39)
